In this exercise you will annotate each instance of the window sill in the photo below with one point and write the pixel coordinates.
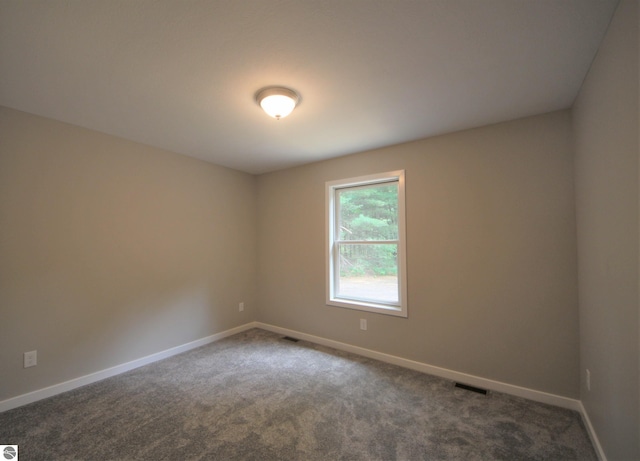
(397, 311)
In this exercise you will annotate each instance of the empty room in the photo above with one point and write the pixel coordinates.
(319, 230)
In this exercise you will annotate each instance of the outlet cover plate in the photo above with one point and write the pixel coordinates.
(30, 359)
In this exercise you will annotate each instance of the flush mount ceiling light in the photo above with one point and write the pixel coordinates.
(278, 102)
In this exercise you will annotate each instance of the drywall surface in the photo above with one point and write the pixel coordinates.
(606, 138)
(492, 284)
(111, 250)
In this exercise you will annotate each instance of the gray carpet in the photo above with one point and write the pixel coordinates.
(256, 396)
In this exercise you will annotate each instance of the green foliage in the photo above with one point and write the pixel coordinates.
(369, 214)
(377, 260)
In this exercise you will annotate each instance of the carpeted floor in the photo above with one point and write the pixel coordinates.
(256, 396)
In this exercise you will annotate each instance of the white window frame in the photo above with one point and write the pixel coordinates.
(397, 309)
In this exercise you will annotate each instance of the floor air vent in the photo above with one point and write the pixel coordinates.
(472, 388)
(289, 338)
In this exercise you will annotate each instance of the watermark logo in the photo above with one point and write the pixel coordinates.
(9, 452)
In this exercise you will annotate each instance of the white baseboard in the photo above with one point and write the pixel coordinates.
(592, 433)
(537, 396)
(50, 391)
(498, 386)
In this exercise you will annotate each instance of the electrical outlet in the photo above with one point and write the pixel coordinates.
(363, 324)
(240, 307)
(588, 380)
(30, 359)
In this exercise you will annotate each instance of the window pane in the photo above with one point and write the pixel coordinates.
(368, 213)
(368, 271)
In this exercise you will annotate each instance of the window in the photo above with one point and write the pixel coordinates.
(366, 263)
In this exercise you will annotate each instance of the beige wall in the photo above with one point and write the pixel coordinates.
(491, 253)
(112, 251)
(606, 141)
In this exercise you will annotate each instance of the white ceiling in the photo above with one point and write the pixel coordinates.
(182, 75)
